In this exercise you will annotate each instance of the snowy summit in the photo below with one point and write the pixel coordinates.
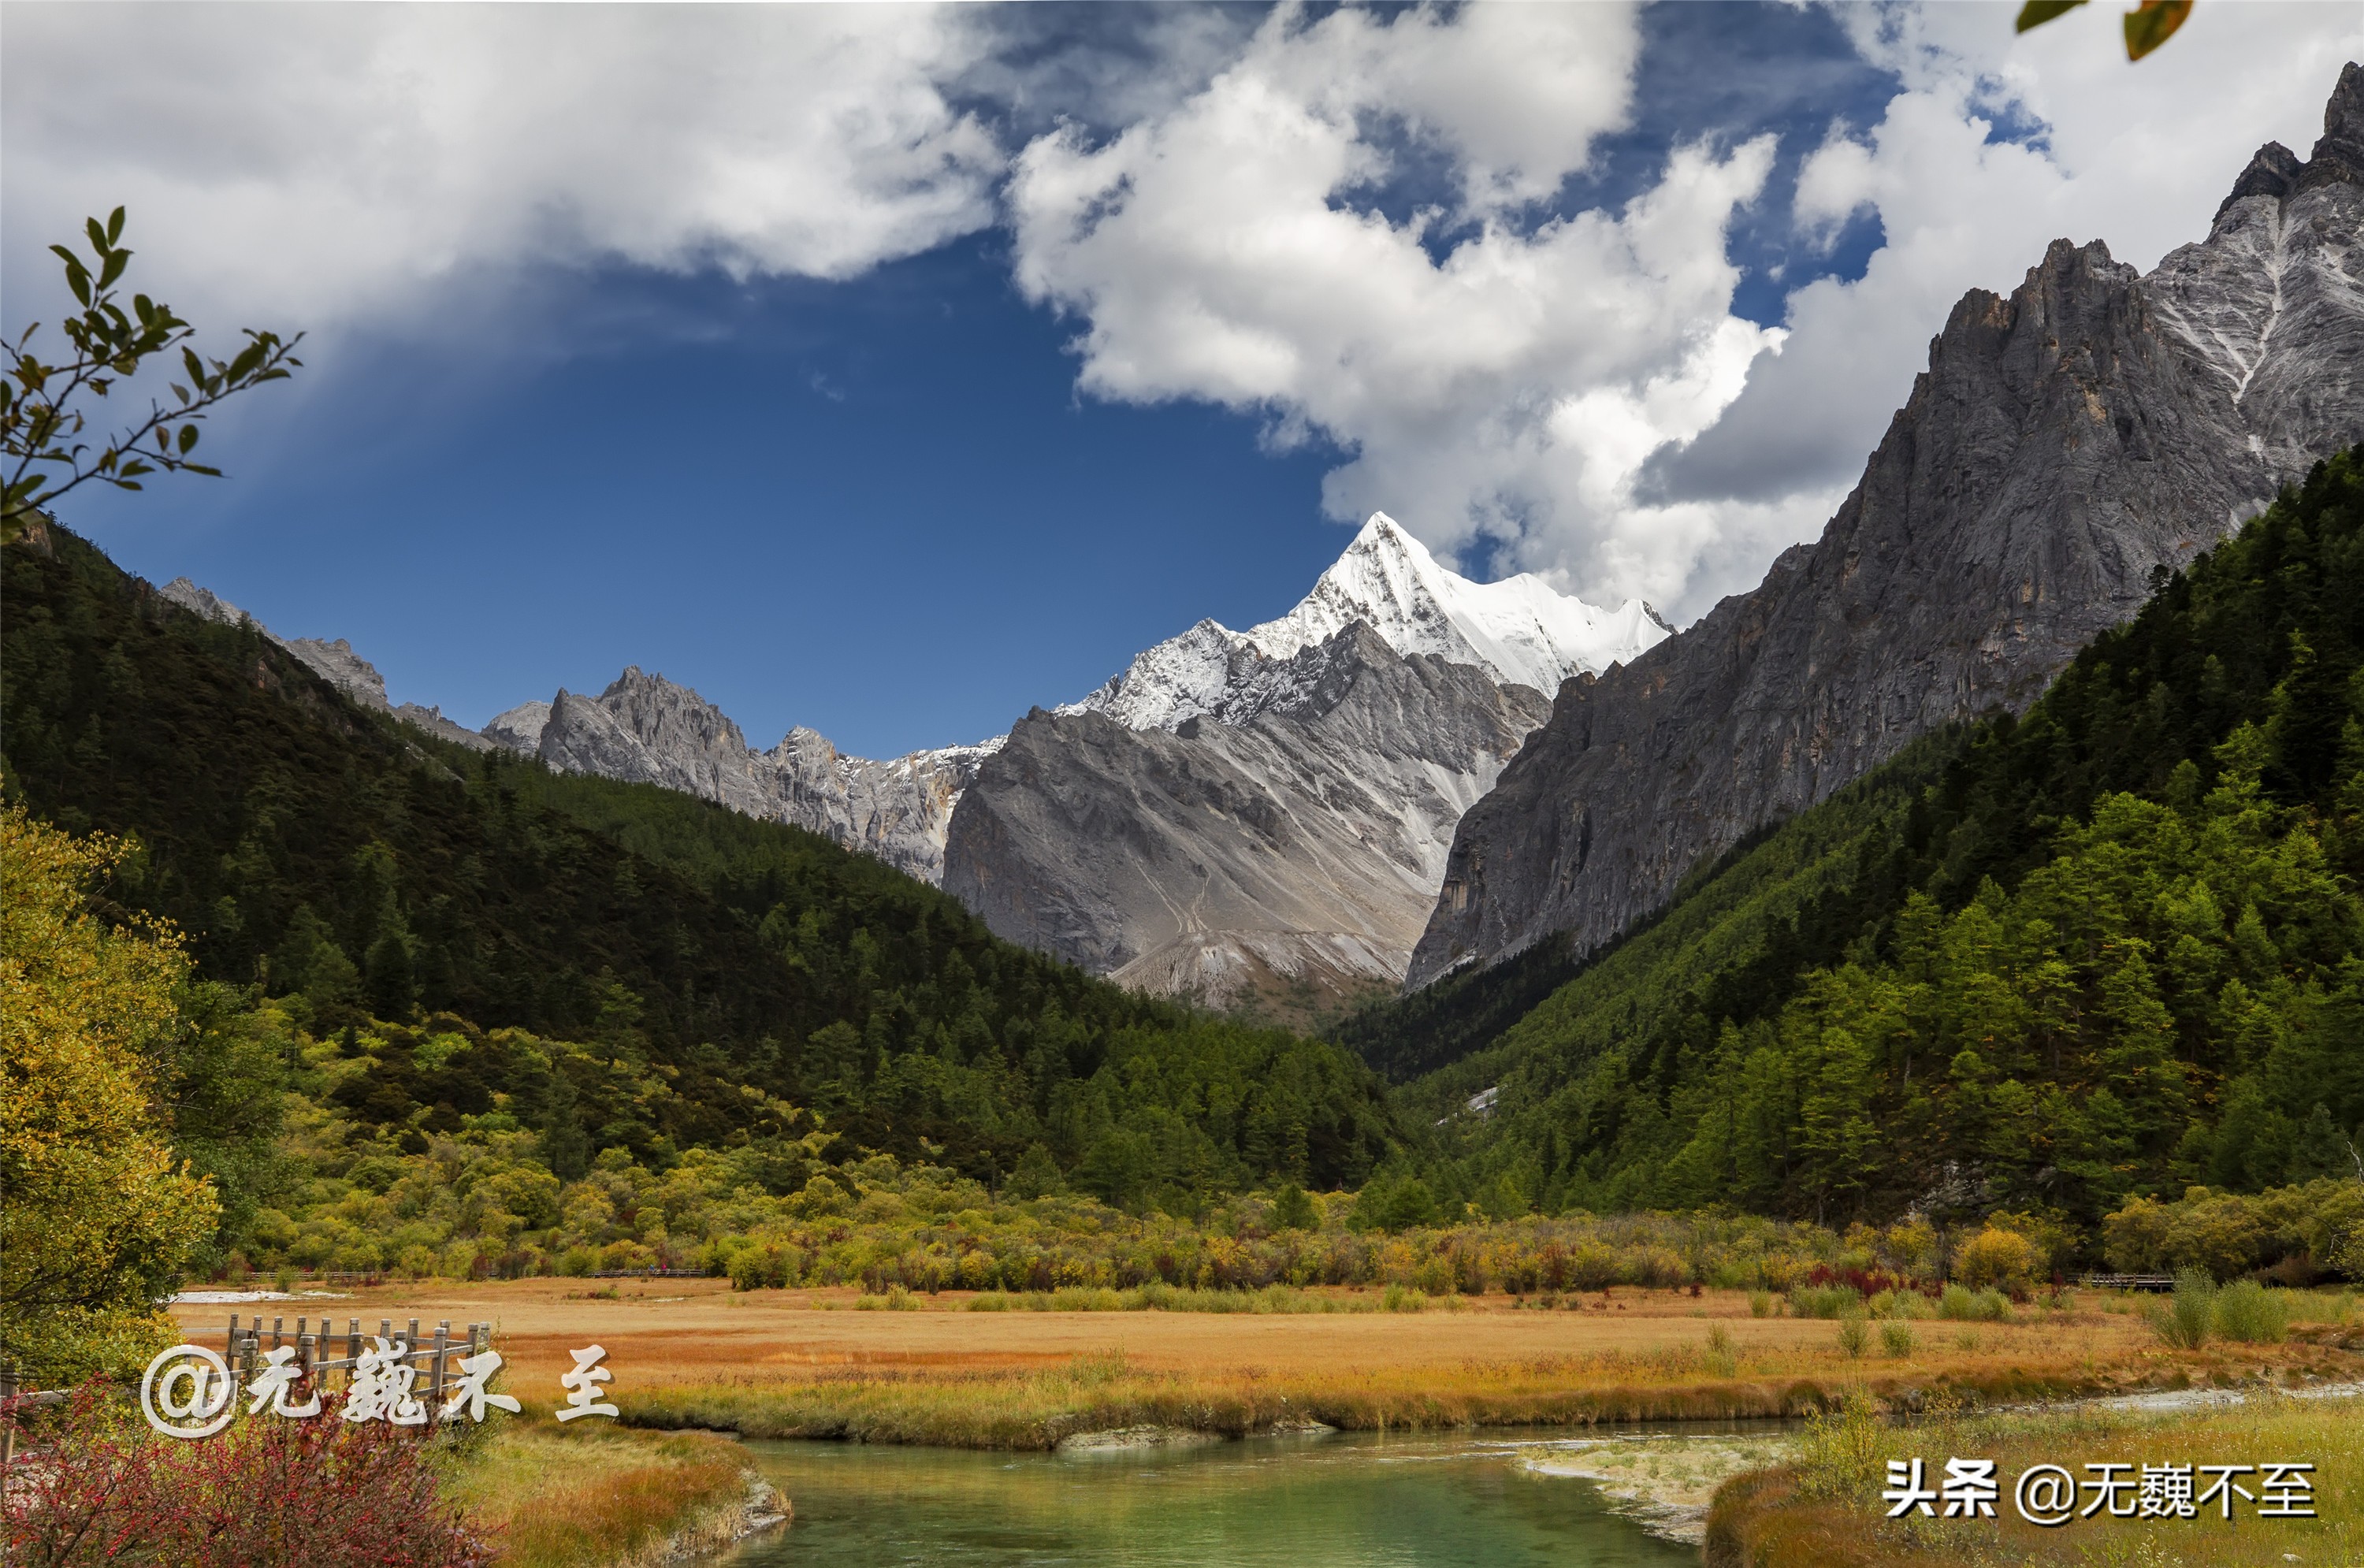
(1521, 630)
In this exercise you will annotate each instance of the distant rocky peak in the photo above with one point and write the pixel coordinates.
(1521, 631)
(2340, 152)
(202, 601)
(657, 709)
(337, 664)
(519, 730)
(2270, 173)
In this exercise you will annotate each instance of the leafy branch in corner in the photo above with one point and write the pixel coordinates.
(43, 407)
(2150, 24)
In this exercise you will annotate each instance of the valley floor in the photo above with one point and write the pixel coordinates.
(693, 1353)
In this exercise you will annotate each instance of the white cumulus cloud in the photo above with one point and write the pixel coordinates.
(1496, 381)
(328, 164)
(1995, 146)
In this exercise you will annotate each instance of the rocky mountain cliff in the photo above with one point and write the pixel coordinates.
(1263, 815)
(645, 730)
(1289, 854)
(335, 663)
(2065, 443)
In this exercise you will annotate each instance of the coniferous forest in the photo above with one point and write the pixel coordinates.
(2050, 965)
(2111, 948)
(705, 970)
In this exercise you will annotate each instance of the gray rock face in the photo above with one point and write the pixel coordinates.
(519, 730)
(1299, 847)
(203, 602)
(335, 663)
(2064, 443)
(645, 730)
(431, 720)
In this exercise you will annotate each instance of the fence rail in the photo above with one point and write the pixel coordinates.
(2130, 1282)
(436, 1356)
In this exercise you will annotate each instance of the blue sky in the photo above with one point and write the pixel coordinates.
(902, 486)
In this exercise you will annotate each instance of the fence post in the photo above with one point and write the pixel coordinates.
(8, 1434)
(230, 1340)
(435, 1382)
(304, 1355)
(353, 1348)
(277, 1329)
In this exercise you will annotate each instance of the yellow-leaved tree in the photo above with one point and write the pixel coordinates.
(96, 1215)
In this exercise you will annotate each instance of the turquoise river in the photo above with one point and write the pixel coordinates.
(1369, 1501)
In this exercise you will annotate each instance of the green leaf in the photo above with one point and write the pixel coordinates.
(2152, 23)
(188, 438)
(2035, 13)
(115, 226)
(113, 269)
(97, 236)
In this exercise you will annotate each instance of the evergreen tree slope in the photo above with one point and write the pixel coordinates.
(2111, 948)
(711, 965)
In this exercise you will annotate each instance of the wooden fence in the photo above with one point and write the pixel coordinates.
(436, 1356)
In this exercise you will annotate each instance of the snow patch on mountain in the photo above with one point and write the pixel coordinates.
(1521, 630)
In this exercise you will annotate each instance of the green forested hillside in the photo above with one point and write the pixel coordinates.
(2113, 947)
(452, 915)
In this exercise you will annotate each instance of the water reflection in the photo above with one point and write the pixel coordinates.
(1364, 1500)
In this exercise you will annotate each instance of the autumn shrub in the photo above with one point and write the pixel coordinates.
(98, 1215)
(1959, 1304)
(2186, 1318)
(94, 1485)
(1824, 1301)
(2002, 1260)
(2249, 1313)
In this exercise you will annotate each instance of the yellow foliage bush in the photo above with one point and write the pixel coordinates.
(96, 1216)
(2001, 1258)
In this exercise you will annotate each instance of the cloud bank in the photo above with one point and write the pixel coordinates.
(335, 165)
(1357, 227)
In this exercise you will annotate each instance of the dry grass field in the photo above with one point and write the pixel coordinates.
(780, 1363)
(1823, 1510)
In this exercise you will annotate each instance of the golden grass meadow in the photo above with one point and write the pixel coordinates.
(693, 1357)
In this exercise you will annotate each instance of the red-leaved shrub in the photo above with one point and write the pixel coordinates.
(91, 1483)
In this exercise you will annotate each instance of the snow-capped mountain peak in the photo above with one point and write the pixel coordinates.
(1521, 630)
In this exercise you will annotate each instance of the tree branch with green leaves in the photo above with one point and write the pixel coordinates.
(46, 408)
(2150, 24)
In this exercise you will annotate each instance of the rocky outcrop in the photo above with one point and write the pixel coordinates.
(645, 730)
(2066, 443)
(519, 730)
(335, 663)
(1296, 850)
